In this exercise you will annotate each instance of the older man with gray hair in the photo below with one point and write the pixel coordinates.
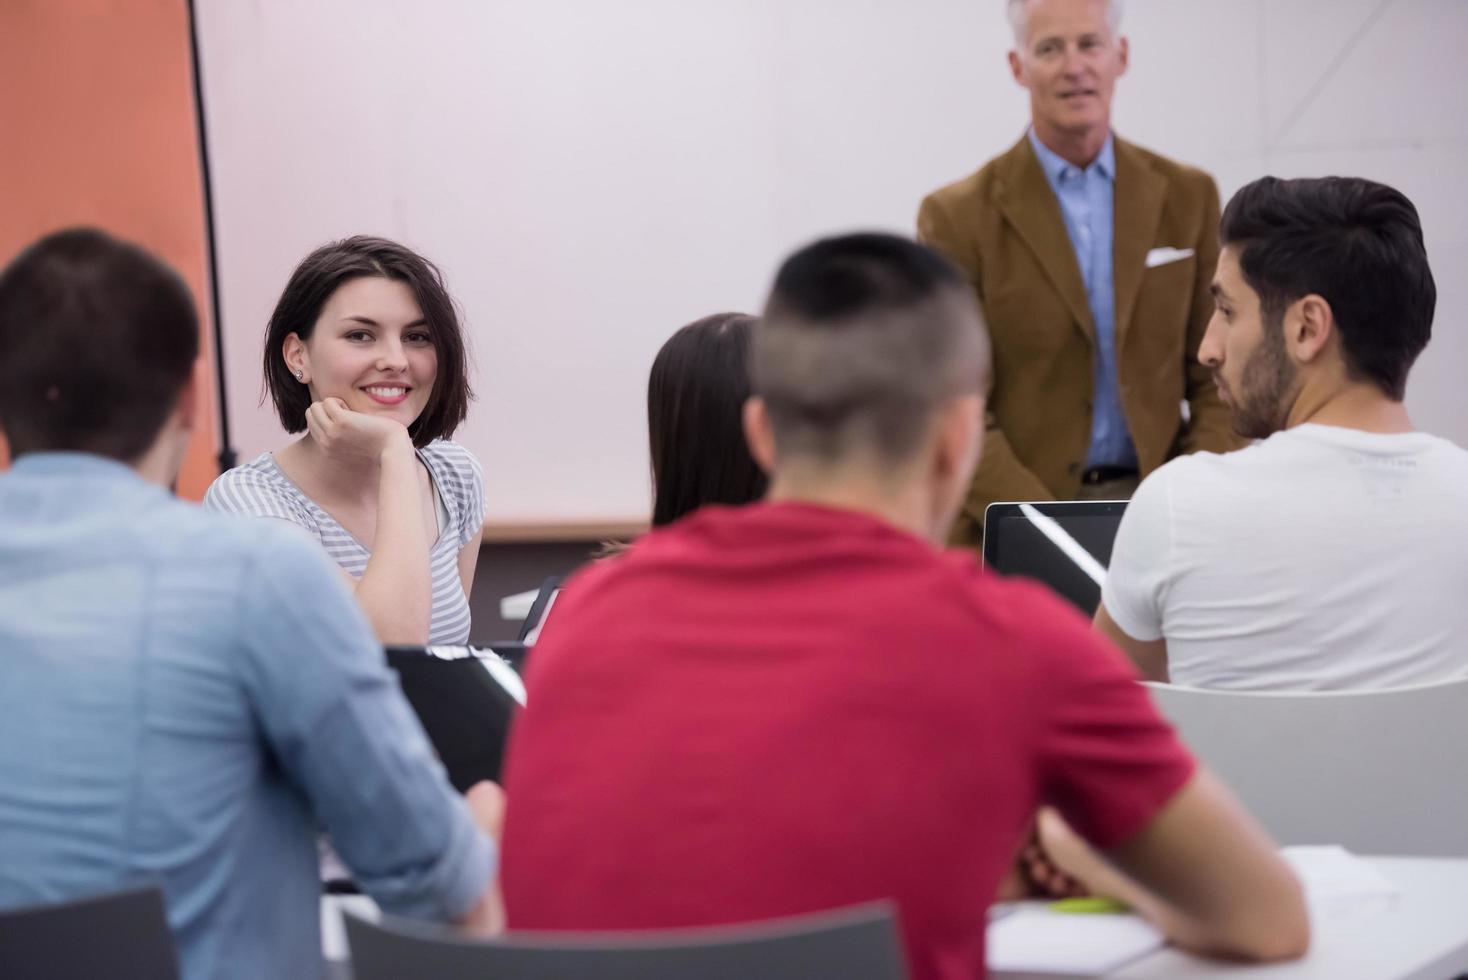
(1091, 258)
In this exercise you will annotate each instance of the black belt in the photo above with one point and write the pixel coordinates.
(1105, 474)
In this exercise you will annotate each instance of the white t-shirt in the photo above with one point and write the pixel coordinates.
(1321, 558)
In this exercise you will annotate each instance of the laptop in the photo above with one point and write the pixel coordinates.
(1066, 545)
(465, 697)
(540, 610)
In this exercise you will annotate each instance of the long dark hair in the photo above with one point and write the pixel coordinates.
(695, 400)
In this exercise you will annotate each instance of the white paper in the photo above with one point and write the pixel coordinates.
(517, 606)
(1337, 882)
(1034, 939)
(1166, 254)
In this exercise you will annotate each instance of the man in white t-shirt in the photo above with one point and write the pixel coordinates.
(1333, 553)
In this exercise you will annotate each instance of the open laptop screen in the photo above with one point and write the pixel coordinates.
(1064, 544)
(550, 589)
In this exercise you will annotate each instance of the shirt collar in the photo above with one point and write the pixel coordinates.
(74, 464)
(1055, 165)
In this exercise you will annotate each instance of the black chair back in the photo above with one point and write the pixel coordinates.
(858, 943)
(120, 936)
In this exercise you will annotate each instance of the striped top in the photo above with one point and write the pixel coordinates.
(260, 488)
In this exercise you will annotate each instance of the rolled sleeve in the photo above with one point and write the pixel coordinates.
(337, 720)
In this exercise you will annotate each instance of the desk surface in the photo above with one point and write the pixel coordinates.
(1420, 935)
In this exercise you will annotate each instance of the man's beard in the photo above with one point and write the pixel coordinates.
(1261, 406)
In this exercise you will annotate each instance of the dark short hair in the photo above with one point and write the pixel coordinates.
(324, 271)
(1354, 242)
(695, 408)
(97, 339)
(863, 338)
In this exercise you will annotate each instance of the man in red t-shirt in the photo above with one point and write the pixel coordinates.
(805, 703)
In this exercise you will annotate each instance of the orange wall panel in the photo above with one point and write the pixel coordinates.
(97, 127)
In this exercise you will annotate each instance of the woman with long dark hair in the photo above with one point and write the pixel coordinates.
(695, 402)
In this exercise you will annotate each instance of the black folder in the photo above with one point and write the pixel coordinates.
(466, 697)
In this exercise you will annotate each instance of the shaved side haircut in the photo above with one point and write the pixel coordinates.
(864, 338)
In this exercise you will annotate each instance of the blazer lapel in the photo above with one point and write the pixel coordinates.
(1028, 203)
(1137, 208)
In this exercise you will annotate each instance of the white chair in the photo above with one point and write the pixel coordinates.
(1380, 772)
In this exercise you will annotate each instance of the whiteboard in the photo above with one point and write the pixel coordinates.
(591, 175)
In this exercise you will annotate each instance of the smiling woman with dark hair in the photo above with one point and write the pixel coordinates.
(365, 355)
(695, 400)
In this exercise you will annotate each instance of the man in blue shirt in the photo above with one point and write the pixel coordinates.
(186, 696)
(1091, 258)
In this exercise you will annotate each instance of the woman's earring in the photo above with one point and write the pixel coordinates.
(300, 375)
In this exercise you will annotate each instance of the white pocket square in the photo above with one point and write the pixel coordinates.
(1166, 254)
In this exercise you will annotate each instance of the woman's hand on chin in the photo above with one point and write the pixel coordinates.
(345, 434)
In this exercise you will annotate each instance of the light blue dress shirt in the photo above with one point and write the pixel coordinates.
(1086, 203)
(182, 697)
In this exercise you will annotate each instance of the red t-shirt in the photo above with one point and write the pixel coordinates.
(787, 708)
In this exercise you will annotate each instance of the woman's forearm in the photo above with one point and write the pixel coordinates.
(396, 589)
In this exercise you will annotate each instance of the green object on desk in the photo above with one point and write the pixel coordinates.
(1088, 906)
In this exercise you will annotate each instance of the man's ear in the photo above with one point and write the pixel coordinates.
(1309, 326)
(960, 438)
(1017, 69)
(759, 434)
(957, 439)
(1123, 55)
(187, 409)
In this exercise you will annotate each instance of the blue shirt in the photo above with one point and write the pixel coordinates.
(1086, 203)
(182, 697)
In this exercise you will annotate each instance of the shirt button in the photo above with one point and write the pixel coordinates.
(1073, 468)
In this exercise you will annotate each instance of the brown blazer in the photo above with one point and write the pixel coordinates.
(1003, 226)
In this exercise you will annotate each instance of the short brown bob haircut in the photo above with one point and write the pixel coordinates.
(97, 339)
(324, 271)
